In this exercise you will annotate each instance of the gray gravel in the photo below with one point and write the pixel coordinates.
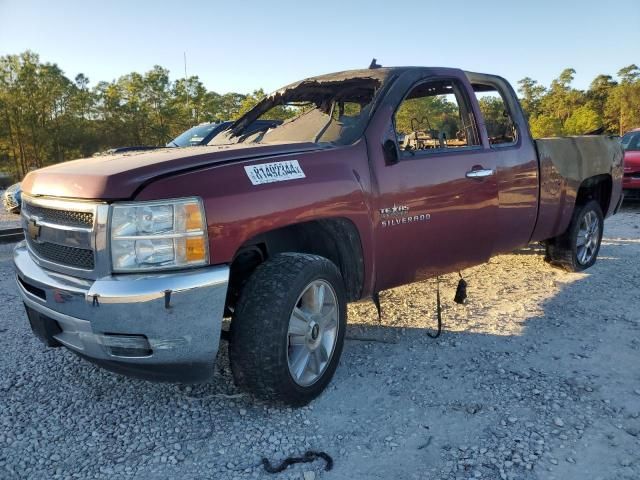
(8, 220)
(535, 378)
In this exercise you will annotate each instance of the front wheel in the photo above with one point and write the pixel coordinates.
(577, 249)
(288, 328)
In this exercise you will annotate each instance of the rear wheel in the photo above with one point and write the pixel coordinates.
(288, 329)
(577, 249)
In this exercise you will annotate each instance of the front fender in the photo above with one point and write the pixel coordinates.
(336, 183)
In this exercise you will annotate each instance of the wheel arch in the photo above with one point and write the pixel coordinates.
(335, 238)
(598, 188)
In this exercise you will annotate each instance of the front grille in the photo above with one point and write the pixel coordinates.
(65, 218)
(64, 234)
(70, 256)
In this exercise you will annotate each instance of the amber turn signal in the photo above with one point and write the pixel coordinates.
(193, 216)
(196, 250)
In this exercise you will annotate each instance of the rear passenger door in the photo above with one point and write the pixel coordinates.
(516, 161)
(437, 206)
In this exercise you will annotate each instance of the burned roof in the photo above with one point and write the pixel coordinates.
(359, 85)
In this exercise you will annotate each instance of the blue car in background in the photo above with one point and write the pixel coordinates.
(203, 133)
(11, 199)
(195, 136)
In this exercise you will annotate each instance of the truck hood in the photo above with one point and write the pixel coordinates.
(632, 161)
(119, 176)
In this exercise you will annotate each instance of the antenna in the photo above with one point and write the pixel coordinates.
(186, 87)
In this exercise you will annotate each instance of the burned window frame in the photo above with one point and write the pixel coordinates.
(384, 81)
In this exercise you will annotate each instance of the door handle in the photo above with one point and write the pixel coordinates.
(480, 173)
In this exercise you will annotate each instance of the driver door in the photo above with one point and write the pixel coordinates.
(436, 208)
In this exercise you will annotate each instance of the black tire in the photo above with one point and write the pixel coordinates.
(563, 251)
(259, 334)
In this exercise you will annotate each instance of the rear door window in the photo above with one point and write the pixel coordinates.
(498, 117)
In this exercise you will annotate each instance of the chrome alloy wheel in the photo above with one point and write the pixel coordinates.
(313, 330)
(588, 237)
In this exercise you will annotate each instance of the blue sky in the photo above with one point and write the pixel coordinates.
(241, 46)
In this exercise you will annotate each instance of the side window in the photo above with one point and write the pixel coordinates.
(498, 117)
(435, 116)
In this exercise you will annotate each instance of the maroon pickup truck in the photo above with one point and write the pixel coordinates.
(379, 178)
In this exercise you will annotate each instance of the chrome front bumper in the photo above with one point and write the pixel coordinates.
(159, 326)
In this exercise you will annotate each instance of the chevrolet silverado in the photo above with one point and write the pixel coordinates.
(379, 178)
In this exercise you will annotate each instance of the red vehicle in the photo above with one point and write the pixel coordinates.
(631, 181)
(381, 177)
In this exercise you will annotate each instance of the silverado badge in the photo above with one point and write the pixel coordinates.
(398, 215)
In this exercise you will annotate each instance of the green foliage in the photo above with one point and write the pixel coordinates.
(33, 94)
(426, 113)
(493, 108)
(545, 126)
(563, 110)
(249, 102)
(532, 94)
(279, 112)
(583, 119)
(46, 117)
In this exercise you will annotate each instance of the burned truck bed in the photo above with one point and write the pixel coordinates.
(566, 163)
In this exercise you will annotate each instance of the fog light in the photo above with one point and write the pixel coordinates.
(120, 345)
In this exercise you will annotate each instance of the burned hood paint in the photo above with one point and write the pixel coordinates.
(117, 177)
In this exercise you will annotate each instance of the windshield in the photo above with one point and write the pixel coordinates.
(631, 141)
(193, 136)
(331, 109)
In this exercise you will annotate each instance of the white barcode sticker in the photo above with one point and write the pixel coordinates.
(274, 172)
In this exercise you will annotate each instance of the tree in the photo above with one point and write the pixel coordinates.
(561, 100)
(583, 120)
(599, 90)
(545, 126)
(249, 102)
(532, 94)
(36, 108)
(47, 117)
(428, 113)
(493, 108)
(623, 104)
(190, 102)
(629, 74)
(226, 106)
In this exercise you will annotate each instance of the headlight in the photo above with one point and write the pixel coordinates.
(158, 235)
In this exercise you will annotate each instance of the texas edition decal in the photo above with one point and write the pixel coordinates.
(274, 172)
(399, 215)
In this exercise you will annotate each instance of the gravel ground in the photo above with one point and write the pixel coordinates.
(535, 378)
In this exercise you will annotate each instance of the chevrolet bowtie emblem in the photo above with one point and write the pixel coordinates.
(33, 229)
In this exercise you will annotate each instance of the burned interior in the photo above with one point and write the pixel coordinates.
(327, 109)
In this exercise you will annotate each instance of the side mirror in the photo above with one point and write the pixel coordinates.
(390, 152)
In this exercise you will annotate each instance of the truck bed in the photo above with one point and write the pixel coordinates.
(565, 163)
